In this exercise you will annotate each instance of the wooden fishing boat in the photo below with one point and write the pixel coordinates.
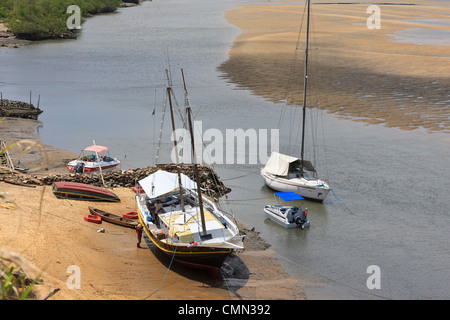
(82, 191)
(112, 218)
(183, 223)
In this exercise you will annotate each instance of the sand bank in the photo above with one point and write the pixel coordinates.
(355, 72)
(52, 235)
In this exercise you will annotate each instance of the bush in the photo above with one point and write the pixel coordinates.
(5, 8)
(14, 285)
(41, 19)
(38, 18)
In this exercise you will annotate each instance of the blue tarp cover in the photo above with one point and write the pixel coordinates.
(289, 196)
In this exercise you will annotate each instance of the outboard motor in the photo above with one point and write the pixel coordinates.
(79, 168)
(300, 218)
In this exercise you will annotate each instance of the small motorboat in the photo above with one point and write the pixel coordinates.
(93, 159)
(82, 191)
(112, 218)
(288, 216)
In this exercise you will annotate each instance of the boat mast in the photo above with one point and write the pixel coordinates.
(305, 85)
(197, 180)
(169, 94)
(99, 165)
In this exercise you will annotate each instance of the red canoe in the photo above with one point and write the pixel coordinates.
(76, 190)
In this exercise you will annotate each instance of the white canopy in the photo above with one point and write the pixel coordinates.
(278, 164)
(162, 182)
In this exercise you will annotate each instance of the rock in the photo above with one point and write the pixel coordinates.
(209, 180)
(18, 109)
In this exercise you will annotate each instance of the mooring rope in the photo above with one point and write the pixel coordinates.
(341, 204)
(165, 276)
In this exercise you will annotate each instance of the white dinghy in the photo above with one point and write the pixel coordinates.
(288, 216)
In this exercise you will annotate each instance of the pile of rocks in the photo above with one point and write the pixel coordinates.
(209, 180)
(18, 109)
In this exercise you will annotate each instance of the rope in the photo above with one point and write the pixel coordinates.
(238, 177)
(67, 219)
(250, 199)
(230, 292)
(341, 204)
(333, 280)
(165, 276)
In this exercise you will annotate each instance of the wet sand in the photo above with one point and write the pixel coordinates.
(9, 40)
(52, 235)
(355, 72)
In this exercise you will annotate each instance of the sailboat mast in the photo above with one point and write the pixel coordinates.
(305, 85)
(176, 149)
(197, 180)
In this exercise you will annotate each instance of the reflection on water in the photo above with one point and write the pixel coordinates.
(393, 184)
(422, 36)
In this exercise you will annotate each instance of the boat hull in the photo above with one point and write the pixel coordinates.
(93, 167)
(315, 190)
(82, 191)
(112, 218)
(205, 258)
(273, 214)
(208, 257)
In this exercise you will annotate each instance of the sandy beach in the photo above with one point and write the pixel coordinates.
(51, 235)
(355, 72)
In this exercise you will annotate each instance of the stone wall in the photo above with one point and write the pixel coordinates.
(18, 109)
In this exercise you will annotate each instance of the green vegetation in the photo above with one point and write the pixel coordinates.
(43, 19)
(14, 285)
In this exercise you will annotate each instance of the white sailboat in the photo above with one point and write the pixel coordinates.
(292, 174)
(289, 174)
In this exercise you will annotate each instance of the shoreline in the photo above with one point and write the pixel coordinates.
(10, 40)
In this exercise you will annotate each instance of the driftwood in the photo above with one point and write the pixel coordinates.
(18, 183)
(50, 294)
